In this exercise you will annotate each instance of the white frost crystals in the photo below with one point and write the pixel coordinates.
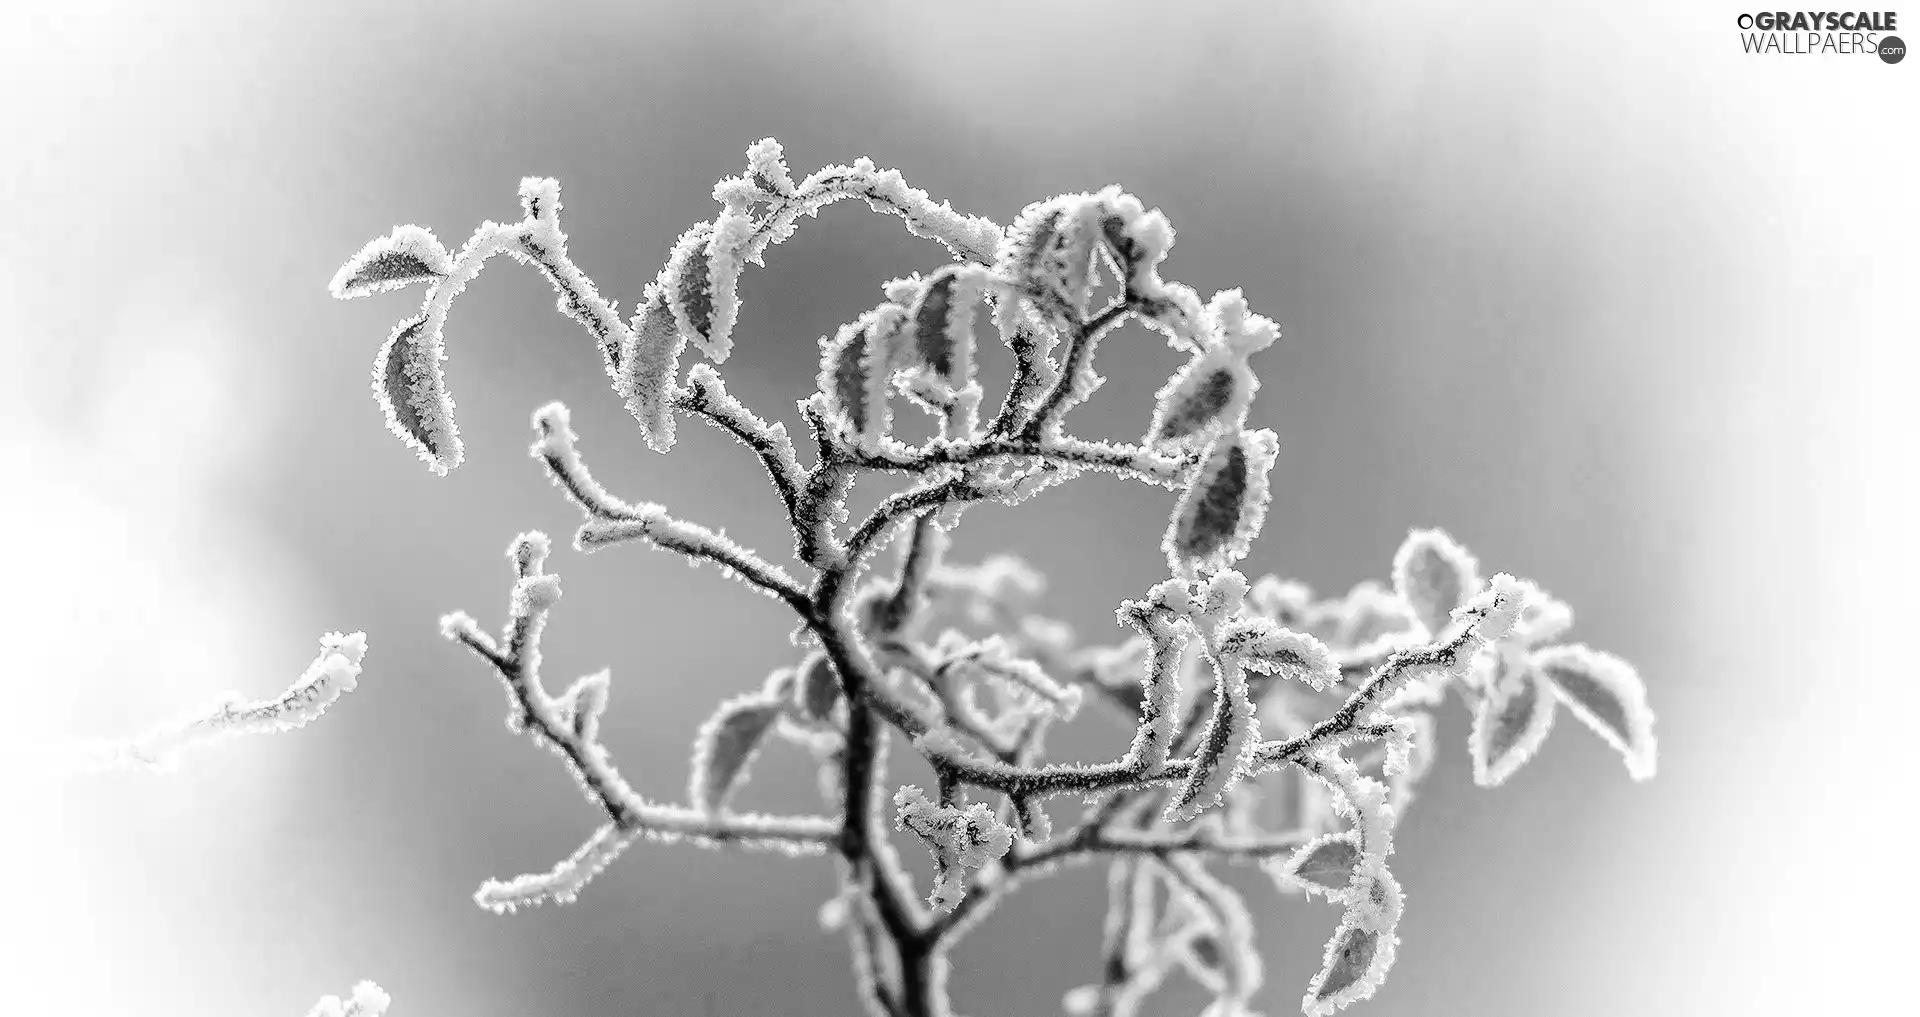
(335, 671)
(406, 256)
(1266, 726)
(960, 839)
(367, 1000)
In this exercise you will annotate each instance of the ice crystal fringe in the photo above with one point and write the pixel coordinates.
(333, 673)
(1234, 691)
(1324, 865)
(959, 839)
(1226, 504)
(406, 256)
(367, 1000)
(1226, 748)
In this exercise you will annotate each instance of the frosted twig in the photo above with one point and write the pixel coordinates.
(568, 725)
(1224, 682)
(611, 521)
(333, 673)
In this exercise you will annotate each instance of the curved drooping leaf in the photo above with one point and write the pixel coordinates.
(1606, 693)
(1225, 748)
(727, 742)
(687, 285)
(412, 392)
(1510, 722)
(856, 368)
(941, 319)
(649, 369)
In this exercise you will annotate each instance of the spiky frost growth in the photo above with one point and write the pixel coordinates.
(406, 256)
(1267, 725)
(960, 839)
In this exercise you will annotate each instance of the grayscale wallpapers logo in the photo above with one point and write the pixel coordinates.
(1819, 33)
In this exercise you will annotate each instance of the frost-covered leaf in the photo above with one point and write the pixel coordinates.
(1324, 865)
(1434, 575)
(817, 687)
(1606, 693)
(1198, 398)
(1047, 255)
(1225, 748)
(408, 255)
(649, 369)
(687, 285)
(1354, 965)
(1212, 392)
(1511, 722)
(843, 373)
(725, 745)
(411, 389)
(1268, 648)
(724, 260)
(856, 368)
(940, 321)
(1225, 505)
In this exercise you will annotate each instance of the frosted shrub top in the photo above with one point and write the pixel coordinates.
(1268, 726)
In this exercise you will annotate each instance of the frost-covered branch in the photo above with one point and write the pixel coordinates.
(1267, 726)
(335, 671)
(611, 521)
(569, 726)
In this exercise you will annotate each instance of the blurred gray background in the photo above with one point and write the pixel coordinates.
(1625, 310)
